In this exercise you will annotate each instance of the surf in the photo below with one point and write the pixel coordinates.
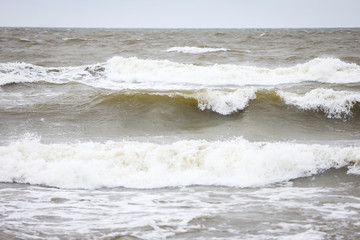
(334, 104)
(133, 164)
(134, 73)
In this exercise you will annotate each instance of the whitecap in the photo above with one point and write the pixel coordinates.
(133, 73)
(164, 74)
(133, 164)
(335, 104)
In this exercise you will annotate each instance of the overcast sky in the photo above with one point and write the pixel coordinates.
(180, 13)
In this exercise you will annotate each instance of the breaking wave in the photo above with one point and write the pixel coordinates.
(133, 73)
(163, 73)
(237, 162)
(224, 89)
(336, 104)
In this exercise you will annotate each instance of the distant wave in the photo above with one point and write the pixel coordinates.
(75, 39)
(25, 40)
(134, 164)
(195, 50)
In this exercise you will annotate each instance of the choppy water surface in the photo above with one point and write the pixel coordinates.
(155, 134)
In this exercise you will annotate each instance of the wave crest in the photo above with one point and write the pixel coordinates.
(164, 73)
(148, 165)
(336, 104)
(133, 73)
(225, 102)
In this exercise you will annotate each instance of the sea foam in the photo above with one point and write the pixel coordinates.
(225, 102)
(133, 164)
(229, 88)
(164, 73)
(133, 73)
(336, 104)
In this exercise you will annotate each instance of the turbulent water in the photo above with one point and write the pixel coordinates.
(178, 134)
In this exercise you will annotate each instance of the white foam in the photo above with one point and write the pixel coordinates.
(355, 169)
(148, 165)
(15, 72)
(225, 102)
(335, 104)
(136, 73)
(20, 72)
(75, 39)
(195, 50)
(227, 86)
(305, 234)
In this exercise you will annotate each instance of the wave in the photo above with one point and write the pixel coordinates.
(223, 102)
(333, 103)
(15, 72)
(195, 50)
(336, 104)
(135, 164)
(133, 73)
(24, 40)
(156, 73)
(75, 39)
(224, 89)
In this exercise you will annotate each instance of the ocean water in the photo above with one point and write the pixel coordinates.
(179, 133)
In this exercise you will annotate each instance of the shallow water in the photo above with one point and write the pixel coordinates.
(304, 208)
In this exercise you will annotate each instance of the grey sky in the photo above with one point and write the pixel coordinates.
(180, 13)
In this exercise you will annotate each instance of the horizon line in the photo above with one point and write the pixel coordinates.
(180, 27)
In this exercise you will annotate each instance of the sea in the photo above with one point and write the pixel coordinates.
(122, 134)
